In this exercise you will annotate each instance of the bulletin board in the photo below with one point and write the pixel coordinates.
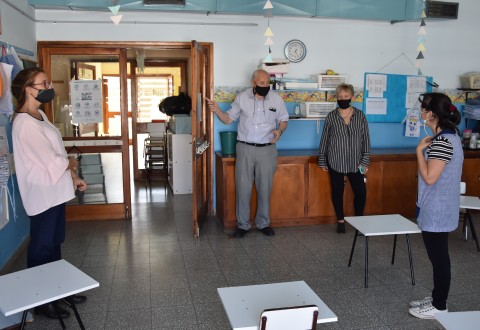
(395, 95)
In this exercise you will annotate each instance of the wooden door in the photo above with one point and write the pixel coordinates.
(201, 86)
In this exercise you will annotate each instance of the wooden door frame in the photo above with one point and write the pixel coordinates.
(203, 183)
(45, 49)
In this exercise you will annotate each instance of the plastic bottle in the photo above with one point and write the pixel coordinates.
(296, 110)
(473, 142)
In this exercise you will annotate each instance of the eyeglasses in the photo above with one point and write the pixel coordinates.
(46, 84)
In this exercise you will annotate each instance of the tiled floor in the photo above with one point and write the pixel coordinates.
(154, 275)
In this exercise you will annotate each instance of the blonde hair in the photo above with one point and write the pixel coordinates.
(346, 88)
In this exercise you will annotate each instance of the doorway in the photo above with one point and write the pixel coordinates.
(117, 63)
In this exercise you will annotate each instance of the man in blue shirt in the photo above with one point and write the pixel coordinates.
(262, 118)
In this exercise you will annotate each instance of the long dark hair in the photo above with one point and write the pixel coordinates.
(443, 109)
(21, 81)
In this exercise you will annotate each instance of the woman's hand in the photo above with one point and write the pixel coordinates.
(324, 168)
(425, 142)
(79, 184)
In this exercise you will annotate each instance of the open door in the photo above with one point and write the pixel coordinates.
(201, 86)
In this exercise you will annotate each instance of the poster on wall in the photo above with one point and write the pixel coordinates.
(86, 101)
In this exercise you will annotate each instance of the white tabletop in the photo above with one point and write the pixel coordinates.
(387, 224)
(459, 320)
(39, 285)
(470, 202)
(244, 304)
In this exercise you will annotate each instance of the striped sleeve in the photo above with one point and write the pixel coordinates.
(323, 148)
(441, 148)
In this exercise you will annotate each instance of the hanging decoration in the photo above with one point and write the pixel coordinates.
(268, 32)
(421, 41)
(114, 9)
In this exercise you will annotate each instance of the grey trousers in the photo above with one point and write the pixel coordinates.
(254, 164)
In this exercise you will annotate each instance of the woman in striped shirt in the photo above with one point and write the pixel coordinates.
(345, 150)
(440, 161)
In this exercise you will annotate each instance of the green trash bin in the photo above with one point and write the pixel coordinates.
(228, 141)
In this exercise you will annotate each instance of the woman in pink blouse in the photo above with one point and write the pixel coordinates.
(46, 176)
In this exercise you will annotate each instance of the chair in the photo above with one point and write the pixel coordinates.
(154, 151)
(289, 318)
(468, 203)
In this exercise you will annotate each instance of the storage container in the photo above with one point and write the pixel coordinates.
(331, 81)
(470, 80)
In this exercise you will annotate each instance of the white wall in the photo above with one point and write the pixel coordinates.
(17, 28)
(346, 46)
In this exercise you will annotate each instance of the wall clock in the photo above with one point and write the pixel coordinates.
(295, 51)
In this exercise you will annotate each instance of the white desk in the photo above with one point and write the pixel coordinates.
(459, 320)
(245, 304)
(470, 203)
(40, 285)
(381, 225)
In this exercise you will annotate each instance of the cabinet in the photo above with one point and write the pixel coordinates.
(471, 173)
(301, 190)
(180, 162)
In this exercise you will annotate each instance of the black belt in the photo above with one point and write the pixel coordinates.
(256, 144)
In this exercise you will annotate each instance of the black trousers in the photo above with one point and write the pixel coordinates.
(47, 233)
(357, 181)
(437, 250)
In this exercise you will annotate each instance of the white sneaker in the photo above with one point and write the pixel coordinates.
(421, 302)
(425, 312)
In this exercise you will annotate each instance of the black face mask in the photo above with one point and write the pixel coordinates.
(262, 91)
(45, 95)
(344, 104)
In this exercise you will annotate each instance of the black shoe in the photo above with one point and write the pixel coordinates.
(341, 228)
(49, 311)
(239, 233)
(267, 231)
(76, 299)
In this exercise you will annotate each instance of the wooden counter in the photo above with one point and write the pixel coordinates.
(301, 190)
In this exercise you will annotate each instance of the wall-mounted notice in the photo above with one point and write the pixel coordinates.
(86, 101)
(388, 98)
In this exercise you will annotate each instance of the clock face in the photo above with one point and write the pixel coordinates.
(295, 50)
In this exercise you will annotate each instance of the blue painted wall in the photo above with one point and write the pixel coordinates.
(17, 229)
(305, 134)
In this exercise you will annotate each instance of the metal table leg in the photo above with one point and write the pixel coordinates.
(366, 261)
(394, 247)
(24, 319)
(71, 304)
(353, 248)
(410, 258)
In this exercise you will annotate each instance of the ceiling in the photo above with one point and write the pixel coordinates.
(355, 9)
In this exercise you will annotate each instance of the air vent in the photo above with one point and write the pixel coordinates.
(316, 109)
(440, 9)
(163, 2)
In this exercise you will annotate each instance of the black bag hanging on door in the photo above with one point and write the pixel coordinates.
(176, 105)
